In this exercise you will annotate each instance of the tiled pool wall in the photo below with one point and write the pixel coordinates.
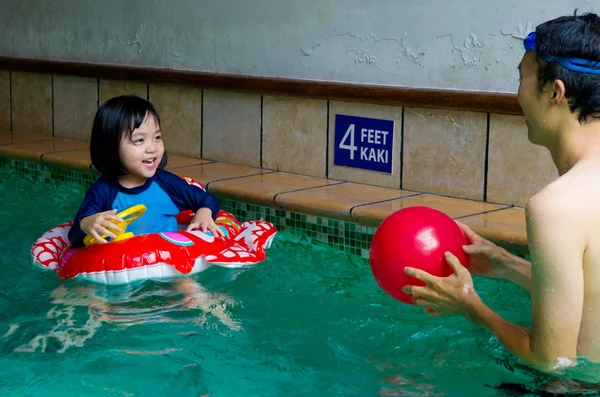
(347, 237)
(456, 153)
(460, 154)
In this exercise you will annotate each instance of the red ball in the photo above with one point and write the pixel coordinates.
(414, 237)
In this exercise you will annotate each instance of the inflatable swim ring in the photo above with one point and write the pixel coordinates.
(129, 258)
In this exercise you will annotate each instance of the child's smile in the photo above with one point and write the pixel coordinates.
(141, 153)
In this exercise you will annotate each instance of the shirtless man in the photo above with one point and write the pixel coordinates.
(560, 97)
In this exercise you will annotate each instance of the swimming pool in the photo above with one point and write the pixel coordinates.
(309, 321)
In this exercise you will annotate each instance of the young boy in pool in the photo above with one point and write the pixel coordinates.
(126, 147)
(559, 93)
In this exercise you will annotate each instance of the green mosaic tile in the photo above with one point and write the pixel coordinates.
(45, 173)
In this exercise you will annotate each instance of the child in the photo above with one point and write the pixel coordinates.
(127, 149)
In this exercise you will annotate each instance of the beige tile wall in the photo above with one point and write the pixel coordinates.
(180, 111)
(4, 99)
(112, 88)
(231, 127)
(295, 134)
(517, 169)
(32, 102)
(75, 104)
(444, 152)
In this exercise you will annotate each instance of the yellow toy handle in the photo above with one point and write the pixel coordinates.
(128, 215)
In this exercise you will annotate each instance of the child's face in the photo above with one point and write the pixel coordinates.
(142, 154)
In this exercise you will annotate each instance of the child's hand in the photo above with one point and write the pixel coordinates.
(99, 223)
(204, 221)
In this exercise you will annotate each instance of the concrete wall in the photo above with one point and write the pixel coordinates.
(460, 44)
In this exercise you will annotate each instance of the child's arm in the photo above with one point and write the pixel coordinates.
(99, 223)
(94, 212)
(188, 197)
(204, 221)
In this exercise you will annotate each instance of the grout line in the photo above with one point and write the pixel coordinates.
(12, 142)
(485, 212)
(60, 151)
(236, 177)
(301, 189)
(384, 201)
(486, 159)
(261, 130)
(202, 162)
(464, 199)
(308, 188)
(201, 123)
(327, 133)
(402, 149)
(10, 94)
(52, 89)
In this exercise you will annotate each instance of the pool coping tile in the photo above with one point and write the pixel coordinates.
(78, 158)
(34, 150)
(176, 161)
(10, 137)
(263, 189)
(337, 200)
(211, 171)
(5, 137)
(374, 214)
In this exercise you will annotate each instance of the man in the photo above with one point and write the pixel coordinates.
(559, 93)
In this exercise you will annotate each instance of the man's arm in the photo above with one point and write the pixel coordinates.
(487, 259)
(517, 270)
(557, 243)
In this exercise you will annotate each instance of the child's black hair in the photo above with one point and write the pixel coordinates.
(113, 119)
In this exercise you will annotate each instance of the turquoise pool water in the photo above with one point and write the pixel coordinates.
(309, 321)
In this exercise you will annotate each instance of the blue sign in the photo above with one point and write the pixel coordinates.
(362, 142)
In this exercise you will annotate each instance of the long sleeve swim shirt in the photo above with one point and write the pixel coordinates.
(164, 195)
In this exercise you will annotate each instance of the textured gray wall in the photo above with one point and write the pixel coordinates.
(464, 44)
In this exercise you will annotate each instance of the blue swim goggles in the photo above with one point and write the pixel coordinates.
(573, 64)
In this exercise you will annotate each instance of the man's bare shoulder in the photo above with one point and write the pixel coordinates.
(551, 198)
(571, 198)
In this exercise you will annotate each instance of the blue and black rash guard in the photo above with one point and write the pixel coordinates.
(164, 195)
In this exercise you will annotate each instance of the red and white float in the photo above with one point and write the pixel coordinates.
(156, 255)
